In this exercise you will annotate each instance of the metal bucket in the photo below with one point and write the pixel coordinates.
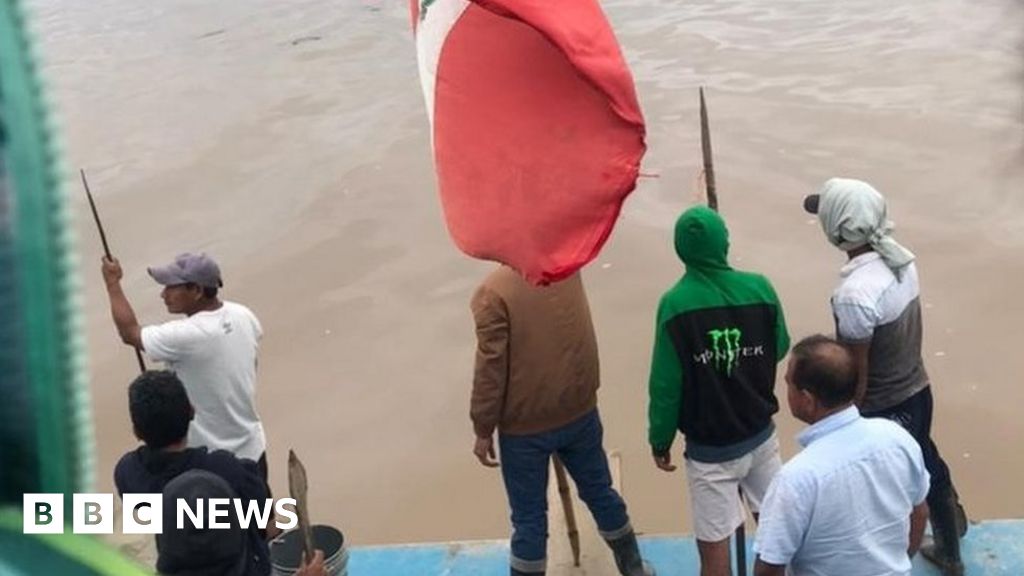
(286, 551)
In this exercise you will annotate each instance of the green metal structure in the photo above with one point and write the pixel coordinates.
(46, 442)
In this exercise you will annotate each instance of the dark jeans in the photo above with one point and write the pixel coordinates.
(915, 415)
(524, 467)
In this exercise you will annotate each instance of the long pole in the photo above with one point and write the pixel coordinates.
(712, 194)
(106, 247)
(570, 514)
(705, 147)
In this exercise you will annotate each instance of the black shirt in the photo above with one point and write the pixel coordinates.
(145, 471)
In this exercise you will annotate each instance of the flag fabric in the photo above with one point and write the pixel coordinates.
(535, 126)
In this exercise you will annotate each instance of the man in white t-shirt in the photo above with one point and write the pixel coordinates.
(213, 350)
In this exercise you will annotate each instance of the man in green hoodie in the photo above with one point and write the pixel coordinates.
(719, 335)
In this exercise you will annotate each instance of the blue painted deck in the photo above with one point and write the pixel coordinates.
(992, 548)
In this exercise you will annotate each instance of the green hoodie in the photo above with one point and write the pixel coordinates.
(719, 334)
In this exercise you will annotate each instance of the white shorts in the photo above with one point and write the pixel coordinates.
(714, 489)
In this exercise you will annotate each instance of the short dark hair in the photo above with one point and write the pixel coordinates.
(825, 368)
(160, 408)
(209, 292)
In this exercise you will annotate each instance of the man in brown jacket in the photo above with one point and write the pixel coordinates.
(536, 382)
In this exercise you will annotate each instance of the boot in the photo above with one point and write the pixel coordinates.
(949, 523)
(514, 572)
(961, 515)
(627, 556)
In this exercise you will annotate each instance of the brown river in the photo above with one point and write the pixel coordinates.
(290, 141)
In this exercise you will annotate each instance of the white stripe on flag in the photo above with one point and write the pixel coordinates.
(441, 16)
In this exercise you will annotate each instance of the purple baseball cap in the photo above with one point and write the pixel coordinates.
(188, 268)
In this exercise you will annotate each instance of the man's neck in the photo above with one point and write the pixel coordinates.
(176, 447)
(207, 306)
(851, 254)
(823, 414)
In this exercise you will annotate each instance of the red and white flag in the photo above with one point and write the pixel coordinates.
(536, 129)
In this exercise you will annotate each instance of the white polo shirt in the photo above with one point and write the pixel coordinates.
(842, 506)
(214, 355)
(872, 304)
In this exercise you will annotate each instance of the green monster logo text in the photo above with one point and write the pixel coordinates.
(725, 348)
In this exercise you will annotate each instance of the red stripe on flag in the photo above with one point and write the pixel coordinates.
(535, 148)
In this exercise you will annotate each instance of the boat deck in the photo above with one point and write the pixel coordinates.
(991, 548)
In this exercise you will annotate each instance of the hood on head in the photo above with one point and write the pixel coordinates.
(702, 240)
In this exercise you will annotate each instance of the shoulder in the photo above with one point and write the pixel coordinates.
(865, 285)
(126, 469)
(680, 296)
(238, 309)
(760, 284)
(242, 474)
(795, 484)
(188, 325)
(800, 473)
(226, 465)
(184, 329)
(486, 299)
(223, 459)
(128, 460)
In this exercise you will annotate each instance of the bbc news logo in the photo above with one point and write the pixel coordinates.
(144, 513)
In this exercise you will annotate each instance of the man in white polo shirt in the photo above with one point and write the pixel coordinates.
(213, 350)
(852, 503)
(877, 310)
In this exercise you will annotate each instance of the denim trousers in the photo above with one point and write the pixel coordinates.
(524, 467)
(915, 415)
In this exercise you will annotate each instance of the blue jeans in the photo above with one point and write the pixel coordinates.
(524, 467)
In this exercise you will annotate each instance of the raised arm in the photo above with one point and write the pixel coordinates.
(124, 317)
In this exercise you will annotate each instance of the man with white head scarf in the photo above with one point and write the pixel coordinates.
(877, 311)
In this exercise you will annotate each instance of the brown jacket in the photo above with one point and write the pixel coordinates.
(536, 359)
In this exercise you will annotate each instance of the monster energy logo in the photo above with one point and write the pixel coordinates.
(725, 351)
(725, 345)
(423, 8)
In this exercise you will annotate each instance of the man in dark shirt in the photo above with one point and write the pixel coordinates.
(161, 413)
(877, 311)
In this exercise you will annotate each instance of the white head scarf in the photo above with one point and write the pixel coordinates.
(853, 213)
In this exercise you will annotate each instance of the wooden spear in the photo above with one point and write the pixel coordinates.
(712, 196)
(106, 248)
(298, 486)
(705, 146)
(570, 514)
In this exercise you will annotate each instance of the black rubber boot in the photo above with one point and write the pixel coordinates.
(514, 572)
(961, 515)
(949, 524)
(627, 556)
